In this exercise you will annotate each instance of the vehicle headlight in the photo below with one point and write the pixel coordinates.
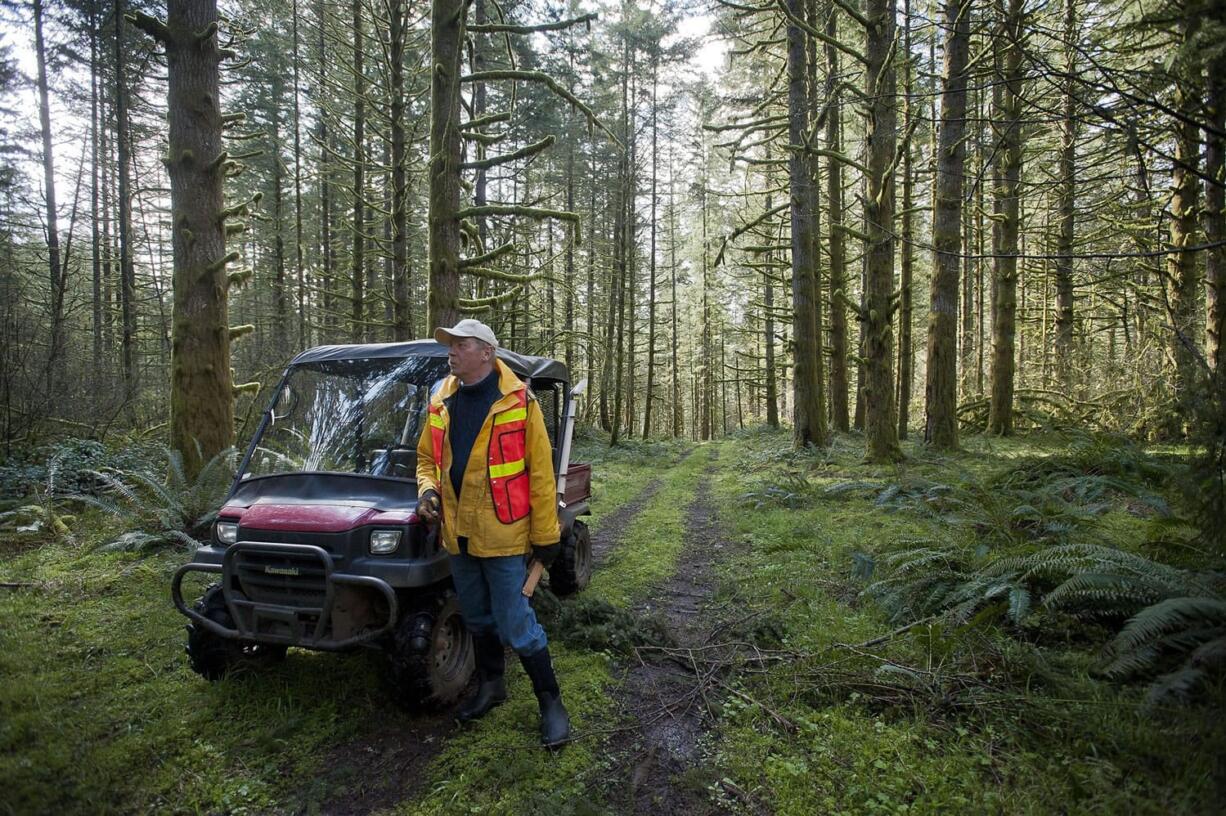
(227, 531)
(383, 542)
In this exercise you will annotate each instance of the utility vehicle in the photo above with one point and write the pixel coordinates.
(317, 544)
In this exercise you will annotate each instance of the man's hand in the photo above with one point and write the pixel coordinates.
(428, 504)
(547, 553)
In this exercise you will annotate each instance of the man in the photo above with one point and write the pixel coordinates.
(485, 472)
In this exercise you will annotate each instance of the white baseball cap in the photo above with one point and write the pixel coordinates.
(467, 327)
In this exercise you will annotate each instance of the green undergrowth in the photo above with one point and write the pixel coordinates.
(99, 712)
(620, 473)
(962, 714)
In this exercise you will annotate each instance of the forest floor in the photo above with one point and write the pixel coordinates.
(726, 658)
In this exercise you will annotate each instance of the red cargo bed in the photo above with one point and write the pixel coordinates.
(578, 483)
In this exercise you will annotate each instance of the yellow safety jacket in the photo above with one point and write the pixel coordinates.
(508, 500)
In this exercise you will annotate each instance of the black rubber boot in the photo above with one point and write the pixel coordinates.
(555, 722)
(492, 687)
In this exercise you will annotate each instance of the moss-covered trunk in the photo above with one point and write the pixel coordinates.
(446, 37)
(402, 308)
(201, 393)
(808, 416)
(839, 415)
(880, 414)
(1215, 222)
(1067, 202)
(1006, 121)
(941, 421)
(359, 330)
(1182, 269)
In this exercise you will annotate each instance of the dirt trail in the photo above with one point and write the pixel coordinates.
(606, 539)
(380, 769)
(664, 700)
(613, 526)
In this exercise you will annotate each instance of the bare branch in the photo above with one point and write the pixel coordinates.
(561, 25)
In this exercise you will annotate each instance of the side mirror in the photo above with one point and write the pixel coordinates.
(579, 389)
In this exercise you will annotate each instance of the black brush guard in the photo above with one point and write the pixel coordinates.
(284, 594)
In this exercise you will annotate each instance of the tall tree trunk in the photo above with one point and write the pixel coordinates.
(941, 421)
(839, 385)
(1066, 195)
(613, 278)
(969, 347)
(327, 272)
(707, 397)
(280, 286)
(1215, 223)
(617, 348)
(201, 390)
(477, 53)
(820, 427)
(446, 39)
(569, 317)
(359, 330)
(768, 333)
(105, 144)
(1181, 265)
(590, 344)
(651, 297)
(299, 262)
(97, 215)
(678, 408)
(906, 364)
(1006, 121)
(622, 247)
(631, 255)
(880, 416)
(808, 429)
(402, 303)
(57, 274)
(127, 271)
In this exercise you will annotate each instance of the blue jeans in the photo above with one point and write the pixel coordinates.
(491, 599)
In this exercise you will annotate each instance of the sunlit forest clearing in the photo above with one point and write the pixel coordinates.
(901, 324)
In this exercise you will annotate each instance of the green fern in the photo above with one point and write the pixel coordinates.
(928, 578)
(1161, 620)
(161, 510)
(1188, 633)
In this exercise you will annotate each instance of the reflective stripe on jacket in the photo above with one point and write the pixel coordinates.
(507, 498)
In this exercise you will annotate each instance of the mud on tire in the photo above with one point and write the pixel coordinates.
(213, 657)
(573, 569)
(431, 658)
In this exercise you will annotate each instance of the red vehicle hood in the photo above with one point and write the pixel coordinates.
(309, 518)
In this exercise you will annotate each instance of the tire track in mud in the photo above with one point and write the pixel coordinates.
(665, 704)
(381, 769)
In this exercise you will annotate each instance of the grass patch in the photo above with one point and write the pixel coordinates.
(497, 766)
(100, 714)
(647, 551)
(1048, 736)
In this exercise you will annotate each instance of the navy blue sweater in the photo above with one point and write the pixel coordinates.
(468, 407)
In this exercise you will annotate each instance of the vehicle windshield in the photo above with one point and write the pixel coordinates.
(351, 416)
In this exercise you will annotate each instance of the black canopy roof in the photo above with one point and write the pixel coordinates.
(522, 364)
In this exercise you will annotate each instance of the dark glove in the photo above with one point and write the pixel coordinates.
(547, 554)
(428, 504)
